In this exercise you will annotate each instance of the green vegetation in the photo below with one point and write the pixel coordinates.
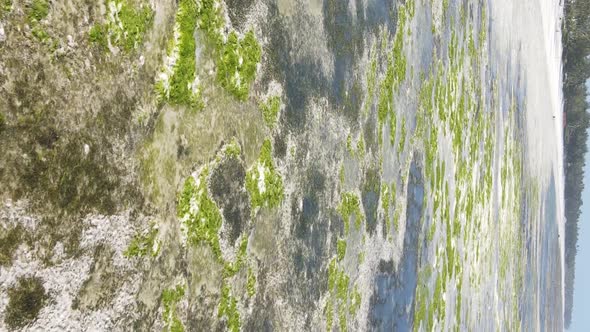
(402, 137)
(395, 74)
(236, 58)
(341, 249)
(199, 213)
(483, 27)
(399, 67)
(385, 204)
(98, 34)
(350, 205)
(211, 21)
(135, 24)
(230, 269)
(371, 79)
(25, 300)
(329, 312)
(236, 66)
(355, 301)
(231, 149)
(392, 128)
(396, 213)
(125, 27)
(170, 298)
(251, 283)
(40, 33)
(360, 148)
(263, 181)
(270, 110)
(202, 221)
(349, 147)
(178, 85)
(332, 274)
(5, 7)
(144, 243)
(229, 308)
(37, 10)
(343, 298)
(451, 109)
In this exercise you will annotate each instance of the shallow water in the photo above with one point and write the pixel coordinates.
(395, 287)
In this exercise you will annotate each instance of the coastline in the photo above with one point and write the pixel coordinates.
(553, 43)
(535, 43)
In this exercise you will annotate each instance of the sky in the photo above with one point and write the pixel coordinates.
(581, 312)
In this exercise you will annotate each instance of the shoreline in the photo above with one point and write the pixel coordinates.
(554, 51)
(537, 39)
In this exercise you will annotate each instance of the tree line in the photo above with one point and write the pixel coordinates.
(576, 58)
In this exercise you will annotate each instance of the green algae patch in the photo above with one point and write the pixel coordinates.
(452, 110)
(349, 147)
(181, 83)
(144, 243)
(263, 182)
(344, 299)
(98, 35)
(355, 301)
(251, 283)
(402, 137)
(350, 205)
(329, 312)
(400, 64)
(231, 150)
(201, 222)
(341, 249)
(199, 214)
(125, 26)
(170, 299)
(236, 65)
(236, 58)
(178, 83)
(5, 7)
(211, 20)
(395, 74)
(360, 148)
(40, 34)
(392, 128)
(37, 10)
(385, 201)
(228, 308)
(270, 110)
(25, 300)
(230, 269)
(371, 80)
